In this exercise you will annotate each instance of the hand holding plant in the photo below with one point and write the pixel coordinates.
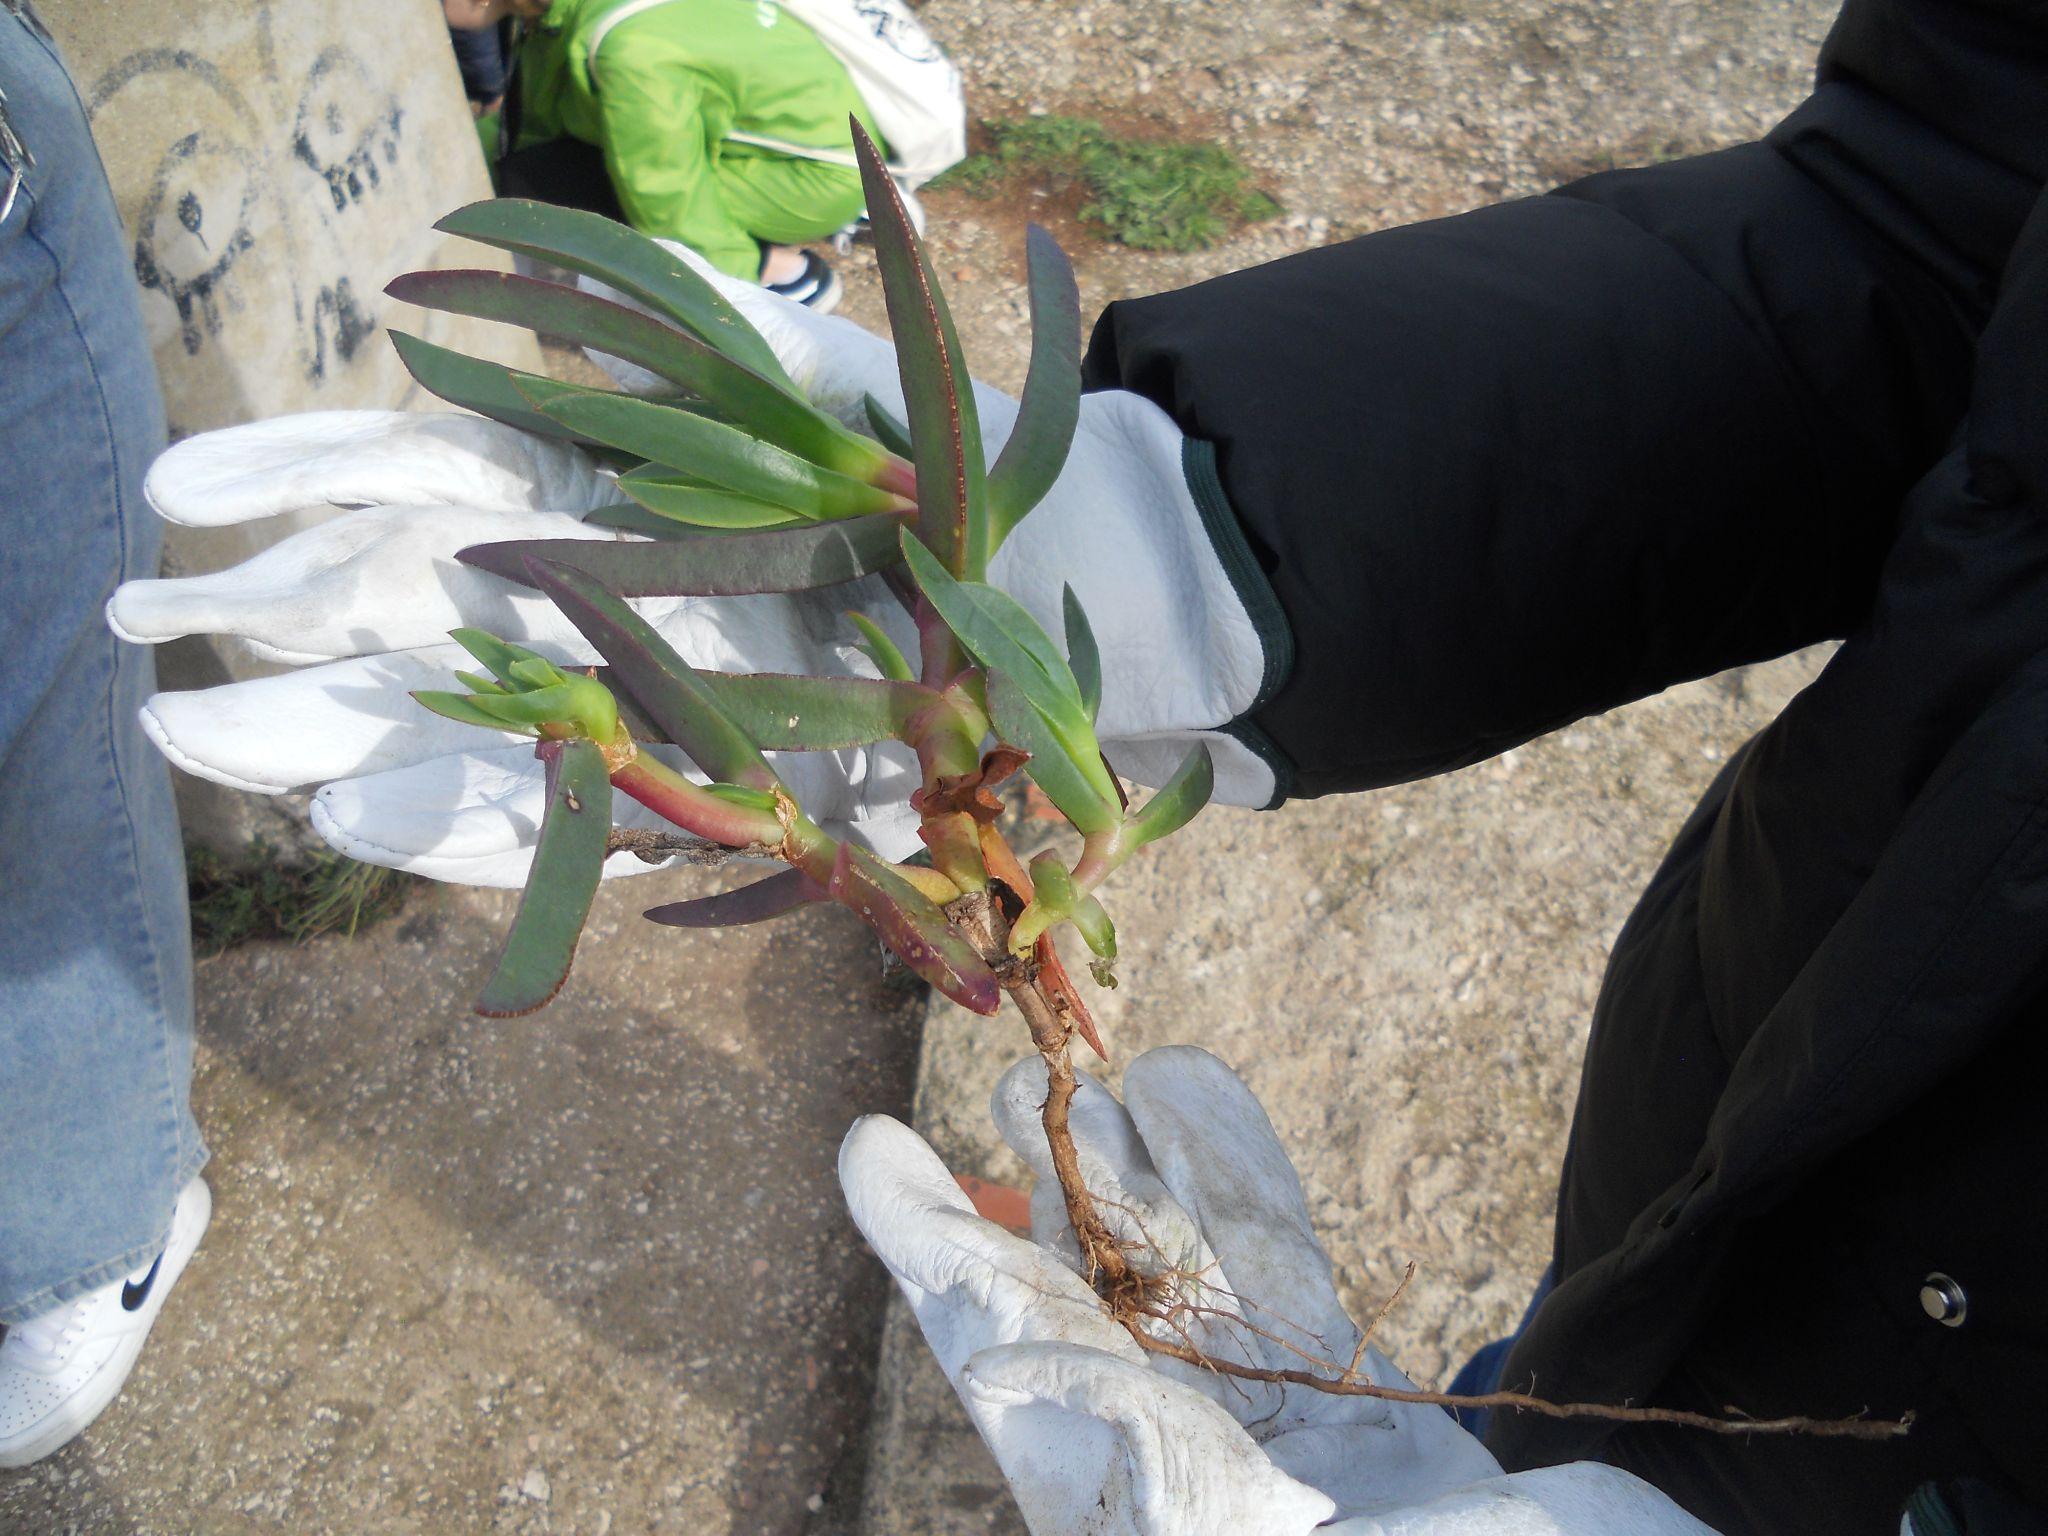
(614, 642)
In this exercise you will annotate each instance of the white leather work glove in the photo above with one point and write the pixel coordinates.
(365, 600)
(1182, 656)
(1095, 1433)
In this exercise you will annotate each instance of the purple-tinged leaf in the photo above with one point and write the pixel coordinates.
(709, 451)
(737, 393)
(1175, 803)
(665, 686)
(607, 250)
(1066, 784)
(952, 489)
(784, 713)
(566, 868)
(913, 927)
(1036, 451)
(703, 564)
(1066, 997)
(755, 903)
(714, 812)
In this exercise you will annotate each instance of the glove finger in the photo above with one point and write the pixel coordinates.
(1090, 1442)
(368, 458)
(1403, 1453)
(971, 1284)
(1580, 1498)
(343, 720)
(1139, 1208)
(378, 579)
(1156, 1233)
(1218, 1153)
(470, 818)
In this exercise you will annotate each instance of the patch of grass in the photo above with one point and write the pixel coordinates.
(273, 898)
(1151, 194)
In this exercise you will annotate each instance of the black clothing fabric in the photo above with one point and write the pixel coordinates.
(1509, 468)
(566, 172)
(484, 55)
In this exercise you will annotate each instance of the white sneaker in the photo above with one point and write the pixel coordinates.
(60, 1370)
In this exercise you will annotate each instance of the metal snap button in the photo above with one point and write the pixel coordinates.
(1943, 1300)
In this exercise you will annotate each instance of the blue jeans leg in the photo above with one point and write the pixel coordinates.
(1481, 1374)
(96, 1128)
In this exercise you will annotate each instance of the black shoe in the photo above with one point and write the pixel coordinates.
(816, 287)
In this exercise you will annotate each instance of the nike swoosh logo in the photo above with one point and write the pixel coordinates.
(133, 1295)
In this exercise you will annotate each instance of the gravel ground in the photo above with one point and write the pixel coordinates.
(587, 1271)
(1404, 977)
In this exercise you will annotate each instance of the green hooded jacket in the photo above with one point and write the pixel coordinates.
(674, 80)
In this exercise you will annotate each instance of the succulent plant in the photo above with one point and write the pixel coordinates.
(740, 485)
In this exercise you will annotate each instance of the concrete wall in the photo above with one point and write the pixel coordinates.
(276, 164)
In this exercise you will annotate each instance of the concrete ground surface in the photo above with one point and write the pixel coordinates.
(587, 1271)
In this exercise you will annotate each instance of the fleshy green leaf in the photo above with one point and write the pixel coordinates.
(881, 650)
(735, 391)
(784, 713)
(1097, 931)
(473, 384)
(665, 686)
(707, 564)
(889, 432)
(1036, 451)
(1176, 802)
(499, 657)
(607, 250)
(685, 500)
(710, 451)
(460, 706)
(952, 489)
(1052, 768)
(1052, 883)
(914, 928)
(631, 517)
(997, 630)
(1002, 636)
(566, 868)
(1084, 658)
(755, 903)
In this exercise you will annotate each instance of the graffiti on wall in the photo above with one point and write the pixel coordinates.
(271, 181)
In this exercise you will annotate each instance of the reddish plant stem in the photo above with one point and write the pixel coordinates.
(981, 918)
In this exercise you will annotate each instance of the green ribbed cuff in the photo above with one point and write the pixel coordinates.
(1269, 620)
(1927, 1513)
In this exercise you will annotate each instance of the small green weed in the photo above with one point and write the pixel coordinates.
(272, 898)
(1154, 195)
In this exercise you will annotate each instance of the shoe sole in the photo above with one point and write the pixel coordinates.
(71, 1419)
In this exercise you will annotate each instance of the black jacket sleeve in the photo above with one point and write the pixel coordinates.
(1505, 469)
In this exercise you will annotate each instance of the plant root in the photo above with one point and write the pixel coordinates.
(1854, 1428)
(1134, 1296)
